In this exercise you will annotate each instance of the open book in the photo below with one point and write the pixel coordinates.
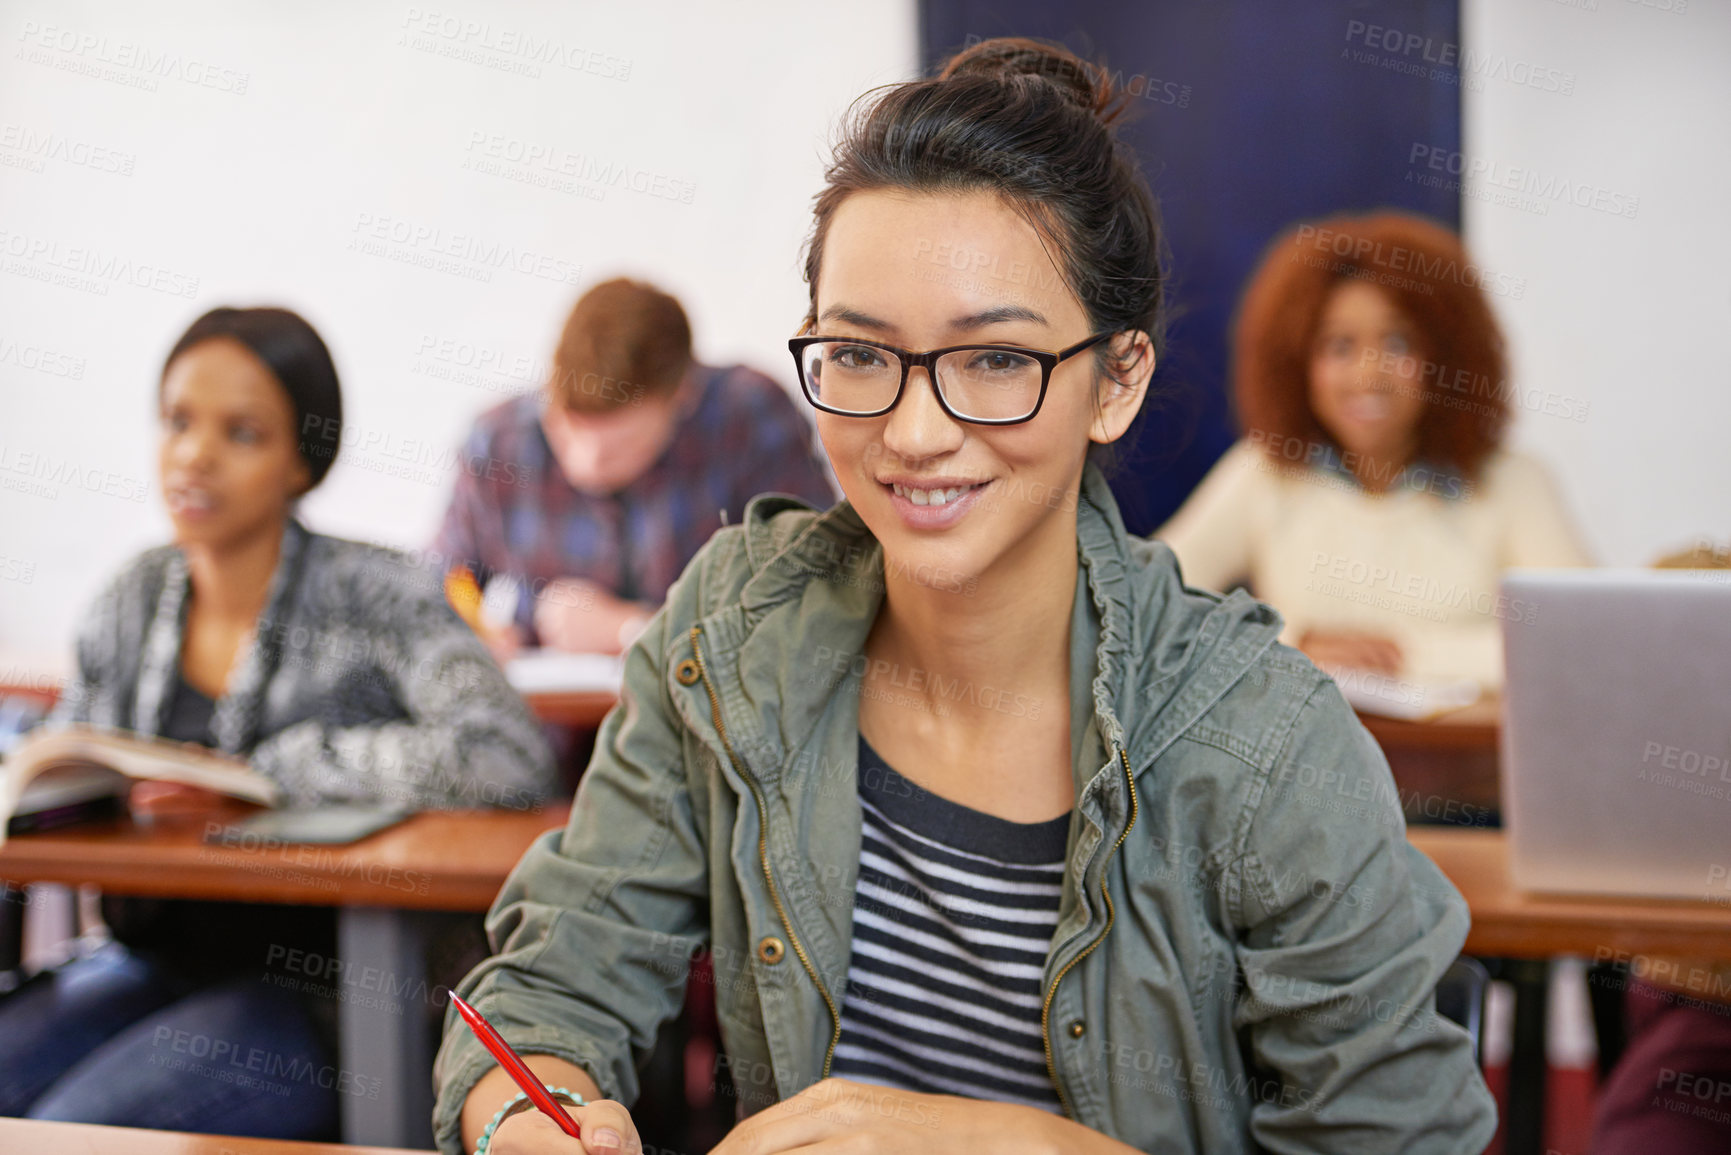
(549, 671)
(57, 775)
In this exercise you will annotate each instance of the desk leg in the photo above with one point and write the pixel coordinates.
(392, 1045)
(11, 933)
(1526, 1122)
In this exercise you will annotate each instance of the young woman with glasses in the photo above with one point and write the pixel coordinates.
(999, 837)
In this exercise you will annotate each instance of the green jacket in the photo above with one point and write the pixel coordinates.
(1247, 945)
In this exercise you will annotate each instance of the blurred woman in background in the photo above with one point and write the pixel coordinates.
(1370, 499)
(334, 668)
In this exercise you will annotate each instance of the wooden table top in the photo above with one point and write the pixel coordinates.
(1511, 923)
(581, 708)
(457, 860)
(438, 860)
(29, 1135)
(1473, 727)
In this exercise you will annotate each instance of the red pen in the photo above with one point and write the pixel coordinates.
(515, 1067)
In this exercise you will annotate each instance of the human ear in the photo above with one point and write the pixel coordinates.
(1119, 397)
(300, 478)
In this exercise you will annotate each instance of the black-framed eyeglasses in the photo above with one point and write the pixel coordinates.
(982, 384)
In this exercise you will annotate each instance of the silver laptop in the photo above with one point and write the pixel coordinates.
(1616, 737)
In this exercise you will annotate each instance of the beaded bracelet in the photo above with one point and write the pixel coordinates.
(520, 1102)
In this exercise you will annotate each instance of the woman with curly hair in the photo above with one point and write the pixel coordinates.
(1370, 500)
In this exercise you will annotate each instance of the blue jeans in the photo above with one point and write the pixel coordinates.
(118, 1039)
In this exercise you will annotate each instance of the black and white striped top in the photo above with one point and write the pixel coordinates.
(953, 915)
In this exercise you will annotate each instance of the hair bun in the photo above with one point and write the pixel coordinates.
(1008, 57)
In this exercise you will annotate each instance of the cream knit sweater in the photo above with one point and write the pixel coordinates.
(1418, 563)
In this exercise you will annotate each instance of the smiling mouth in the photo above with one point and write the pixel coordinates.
(191, 499)
(1370, 409)
(934, 496)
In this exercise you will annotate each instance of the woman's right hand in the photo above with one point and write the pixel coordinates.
(606, 1126)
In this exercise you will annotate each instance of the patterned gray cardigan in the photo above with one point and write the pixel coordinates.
(360, 683)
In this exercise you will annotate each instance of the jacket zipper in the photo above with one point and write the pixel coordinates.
(1105, 897)
(763, 849)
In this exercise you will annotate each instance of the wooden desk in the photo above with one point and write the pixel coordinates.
(1473, 727)
(1510, 923)
(383, 887)
(463, 859)
(440, 860)
(457, 860)
(1527, 929)
(1445, 767)
(22, 1136)
(583, 708)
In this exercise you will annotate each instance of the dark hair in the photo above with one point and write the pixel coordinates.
(1034, 123)
(296, 356)
(1430, 280)
(624, 340)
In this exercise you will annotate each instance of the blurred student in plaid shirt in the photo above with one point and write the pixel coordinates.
(599, 488)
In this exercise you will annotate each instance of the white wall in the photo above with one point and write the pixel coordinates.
(264, 134)
(1627, 313)
(350, 114)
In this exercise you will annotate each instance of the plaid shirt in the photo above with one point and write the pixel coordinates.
(521, 517)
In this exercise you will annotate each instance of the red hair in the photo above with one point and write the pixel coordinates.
(1426, 274)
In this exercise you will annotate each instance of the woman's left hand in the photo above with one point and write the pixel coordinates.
(839, 1115)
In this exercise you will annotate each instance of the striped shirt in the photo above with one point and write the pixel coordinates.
(953, 915)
